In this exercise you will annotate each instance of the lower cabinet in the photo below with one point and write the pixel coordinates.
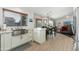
(19, 40)
(9, 42)
(6, 41)
(2, 42)
(15, 41)
(31, 34)
(39, 35)
(24, 38)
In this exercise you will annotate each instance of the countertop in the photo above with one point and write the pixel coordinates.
(5, 31)
(39, 28)
(8, 31)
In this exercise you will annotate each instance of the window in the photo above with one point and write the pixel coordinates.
(13, 18)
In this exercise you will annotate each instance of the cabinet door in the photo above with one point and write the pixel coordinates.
(42, 36)
(39, 36)
(2, 41)
(30, 35)
(16, 41)
(36, 36)
(24, 38)
(8, 41)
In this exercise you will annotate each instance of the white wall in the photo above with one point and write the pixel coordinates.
(31, 25)
(59, 23)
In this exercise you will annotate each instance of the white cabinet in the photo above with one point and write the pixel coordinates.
(30, 35)
(8, 41)
(26, 37)
(2, 41)
(16, 41)
(40, 35)
(5, 41)
(21, 39)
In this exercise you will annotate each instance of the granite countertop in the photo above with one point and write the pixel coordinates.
(5, 31)
(8, 31)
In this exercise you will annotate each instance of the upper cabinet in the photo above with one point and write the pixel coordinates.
(13, 18)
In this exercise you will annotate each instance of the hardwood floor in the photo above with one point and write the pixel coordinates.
(58, 43)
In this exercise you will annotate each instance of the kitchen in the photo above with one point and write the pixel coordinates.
(23, 26)
(16, 33)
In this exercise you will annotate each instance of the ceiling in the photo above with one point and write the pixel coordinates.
(53, 12)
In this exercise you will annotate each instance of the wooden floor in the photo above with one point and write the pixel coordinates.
(58, 43)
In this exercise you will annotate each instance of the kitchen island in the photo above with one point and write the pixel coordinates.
(40, 35)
